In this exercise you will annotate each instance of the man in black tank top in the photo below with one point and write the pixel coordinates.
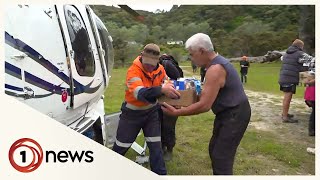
(223, 93)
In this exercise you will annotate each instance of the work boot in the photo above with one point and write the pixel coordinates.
(167, 156)
(288, 120)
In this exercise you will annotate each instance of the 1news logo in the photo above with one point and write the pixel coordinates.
(26, 155)
(25, 144)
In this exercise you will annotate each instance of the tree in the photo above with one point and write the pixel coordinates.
(139, 33)
(175, 31)
(247, 36)
(157, 32)
(307, 28)
(235, 30)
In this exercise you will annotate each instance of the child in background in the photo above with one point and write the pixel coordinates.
(309, 97)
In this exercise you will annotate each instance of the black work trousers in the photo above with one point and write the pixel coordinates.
(244, 76)
(130, 124)
(168, 131)
(228, 130)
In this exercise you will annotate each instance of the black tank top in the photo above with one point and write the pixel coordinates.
(232, 94)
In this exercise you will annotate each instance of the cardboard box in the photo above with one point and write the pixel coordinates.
(187, 98)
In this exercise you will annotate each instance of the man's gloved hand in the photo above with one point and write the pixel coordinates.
(169, 91)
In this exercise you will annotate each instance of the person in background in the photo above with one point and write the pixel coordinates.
(202, 74)
(194, 67)
(244, 66)
(309, 97)
(203, 71)
(168, 123)
(223, 93)
(292, 64)
(140, 109)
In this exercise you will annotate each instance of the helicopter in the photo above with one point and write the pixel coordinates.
(58, 60)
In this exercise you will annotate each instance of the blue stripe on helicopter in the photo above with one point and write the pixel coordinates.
(29, 78)
(7, 86)
(13, 70)
(34, 80)
(20, 45)
(56, 89)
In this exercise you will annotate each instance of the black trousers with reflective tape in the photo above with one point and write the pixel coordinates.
(228, 130)
(130, 124)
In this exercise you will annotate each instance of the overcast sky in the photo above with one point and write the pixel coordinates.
(151, 7)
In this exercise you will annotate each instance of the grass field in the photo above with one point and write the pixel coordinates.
(260, 152)
(262, 77)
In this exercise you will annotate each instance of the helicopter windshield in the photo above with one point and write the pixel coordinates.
(106, 42)
(81, 46)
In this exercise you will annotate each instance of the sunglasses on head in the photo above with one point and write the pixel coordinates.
(151, 51)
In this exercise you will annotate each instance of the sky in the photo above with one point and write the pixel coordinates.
(150, 7)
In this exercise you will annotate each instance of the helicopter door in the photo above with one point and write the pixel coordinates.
(83, 54)
(35, 63)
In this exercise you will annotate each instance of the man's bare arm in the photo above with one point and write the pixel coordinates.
(215, 79)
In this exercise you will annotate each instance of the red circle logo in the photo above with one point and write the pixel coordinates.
(64, 96)
(34, 147)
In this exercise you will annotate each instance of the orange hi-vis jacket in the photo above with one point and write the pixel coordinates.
(138, 79)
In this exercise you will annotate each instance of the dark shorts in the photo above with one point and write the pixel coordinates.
(288, 88)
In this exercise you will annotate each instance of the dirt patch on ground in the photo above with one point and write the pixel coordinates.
(266, 115)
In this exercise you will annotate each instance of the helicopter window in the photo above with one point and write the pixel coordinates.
(83, 56)
(106, 44)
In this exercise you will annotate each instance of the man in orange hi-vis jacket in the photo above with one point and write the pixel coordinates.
(140, 109)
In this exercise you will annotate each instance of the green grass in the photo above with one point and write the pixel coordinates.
(267, 153)
(262, 77)
(114, 94)
(191, 153)
(259, 153)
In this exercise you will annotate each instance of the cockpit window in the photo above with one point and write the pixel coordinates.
(106, 43)
(83, 57)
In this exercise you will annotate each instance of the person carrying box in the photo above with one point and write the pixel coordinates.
(140, 109)
(223, 93)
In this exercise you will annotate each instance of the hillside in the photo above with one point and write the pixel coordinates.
(235, 30)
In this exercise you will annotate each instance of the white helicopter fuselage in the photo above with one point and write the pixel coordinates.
(58, 60)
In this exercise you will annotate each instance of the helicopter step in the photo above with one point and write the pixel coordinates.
(111, 126)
